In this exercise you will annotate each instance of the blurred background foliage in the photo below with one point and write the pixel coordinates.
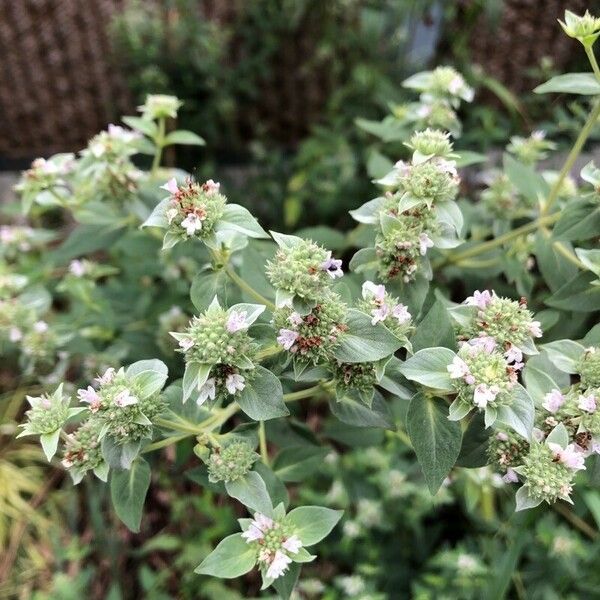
(276, 88)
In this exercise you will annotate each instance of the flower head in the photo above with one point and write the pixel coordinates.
(125, 398)
(234, 383)
(587, 403)
(479, 299)
(332, 266)
(553, 400)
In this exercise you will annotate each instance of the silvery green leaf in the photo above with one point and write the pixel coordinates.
(49, 443)
(368, 212)
(559, 435)
(253, 311)
(231, 558)
(238, 218)
(524, 500)
(287, 242)
(564, 354)
(429, 367)
(158, 217)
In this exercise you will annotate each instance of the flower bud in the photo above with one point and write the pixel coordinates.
(506, 450)
(47, 413)
(588, 367)
(431, 142)
(230, 462)
(432, 181)
(159, 106)
(360, 377)
(532, 149)
(584, 28)
(82, 451)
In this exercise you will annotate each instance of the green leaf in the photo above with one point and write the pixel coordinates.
(430, 367)
(295, 463)
(150, 375)
(119, 456)
(524, 500)
(564, 354)
(232, 558)
(435, 329)
(252, 492)
(237, 218)
(351, 411)
(364, 342)
(277, 490)
(363, 260)
(530, 183)
(207, 285)
(157, 217)
(286, 583)
(186, 138)
(436, 440)
(128, 491)
(571, 83)
(49, 443)
(520, 414)
(313, 523)
(555, 268)
(579, 220)
(369, 212)
(262, 398)
(145, 126)
(194, 377)
(474, 447)
(577, 295)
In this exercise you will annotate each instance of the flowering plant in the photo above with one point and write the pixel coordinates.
(276, 318)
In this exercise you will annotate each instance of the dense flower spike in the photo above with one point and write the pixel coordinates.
(385, 308)
(160, 106)
(231, 462)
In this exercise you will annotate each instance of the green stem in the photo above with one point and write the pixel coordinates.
(308, 392)
(159, 140)
(499, 241)
(592, 58)
(248, 288)
(262, 441)
(173, 439)
(182, 426)
(562, 249)
(572, 157)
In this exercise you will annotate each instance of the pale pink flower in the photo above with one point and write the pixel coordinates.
(15, 335)
(170, 186)
(501, 436)
(257, 528)
(295, 319)
(292, 544)
(510, 476)
(77, 268)
(90, 396)
(371, 290)
(279, 564)
(447, 166)
(380, 314)
(236, 321)
(553, 400)
(535, 329)
(192, 223)
(513, 354)
(401, 314)
(486, 343)
(211, 187)
(469, 379)
(424, 242)
(479, 299)
(107, 378)
(484, 394)
(206, 391)
(402, 167)
(458, 368)
(570, 456)
(40, 327)
(287, 338)
(125, 398)
(332, 266)
(234, 383)
(587, 403)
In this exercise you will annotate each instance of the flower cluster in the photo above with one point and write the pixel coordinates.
(217, 343)
(312, 337)
(586, 28)
(588, 367)
(45, 177)
(500, 197)
(230, 462)
(82, 451)
(432, 180)
(385, 308)
(160, 106)
(507, 321)
(193, 208)
(355, 377)
(47, 413)
(302, 268)
(506, 451)
(429, 143)
(482, 377)
(275, 543)
(532, 149)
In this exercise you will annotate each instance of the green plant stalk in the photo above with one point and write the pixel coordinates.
(592, 58)
(159, 140)
(262, 442)
(248, 288)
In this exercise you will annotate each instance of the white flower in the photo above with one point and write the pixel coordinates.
(236, 321)
(458, 368)
(484, 342)
(108, 376)
(257, 528)
(371, 290)
(570, 456)
(401, 314)
(15, 335)
(234, 383)
(513, 354)
(535, 329)
(90, 396)
(587, 403)
(380, 314)
(553, 400)
(211, 187)
(192, 223)
(206, 391)
(292, 544)
(424, 242)
(186, 343)
(287, 338)
(447, 166)
(125, 398)
(278, 565)
(510, 476)
(484, 394)
(40, 327)
(170, 186)
(77, 268)
(479, 299)
(332, 266)
(295, 319)
(538, 135)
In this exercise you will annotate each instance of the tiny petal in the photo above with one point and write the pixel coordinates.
(292, 544)
(332, 266)
(535, 329)
(236, 321)
(287, 338)
(553, 400)
(479, 299)
(278, 565)
(170, 186)
(234, 383)
(458, 368)
(125, 398)
(587, 403)
(191, 224)
(208, 390)
(371, 290)
(380, 314)
(401, 314)
(425, 242)
(510, 476)
(107, 378)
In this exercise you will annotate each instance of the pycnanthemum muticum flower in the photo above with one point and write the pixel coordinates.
(230, 462)
(588, 367)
